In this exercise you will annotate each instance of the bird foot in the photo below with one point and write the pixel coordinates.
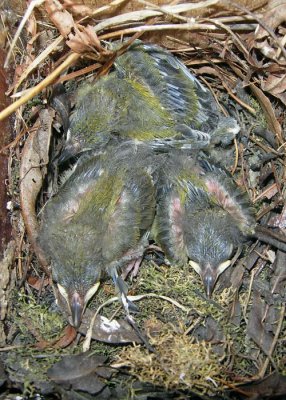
(132, 269)
(128, 305)
(156, 249)
(122, 289)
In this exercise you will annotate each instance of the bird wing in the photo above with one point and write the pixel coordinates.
(127, 109)
(171, 82)
(228, 195)
(130, 217)
(179, 91)
(169, 225)
(181, 192)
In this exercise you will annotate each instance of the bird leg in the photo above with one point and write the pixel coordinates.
(122, 288)
(133, 260)
(132, 267)
(137, 256)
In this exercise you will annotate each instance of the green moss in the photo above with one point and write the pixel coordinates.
(36, 320)
(259, 114)
(178, 362)
(183, 358)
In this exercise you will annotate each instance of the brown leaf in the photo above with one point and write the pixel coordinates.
(259, 327)
(275, 84)
(268, 192)
(104, 330)
(38, 283)
(84, 40)
(273, 17)
(5, 137)
(268, 112)
(208, 70)
(32, 25)
(270, 387)
(278, 279)
(78, 9)
(69, 336)
(32, 171)
(84, 372)
(62, 19)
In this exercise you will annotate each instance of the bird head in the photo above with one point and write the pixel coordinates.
(211, 242)
(75, 285)
(74, 255)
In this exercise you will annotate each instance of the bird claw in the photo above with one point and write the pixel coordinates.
(122, 287)
(128, 305)
(132, 268)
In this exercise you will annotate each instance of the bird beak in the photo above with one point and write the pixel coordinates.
(78, 304)
(209, 277)
(77, 308)
(210, 274)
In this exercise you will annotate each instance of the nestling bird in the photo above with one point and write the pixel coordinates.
(99, 222)
(151, 97)
(202, 216)
(188, 102)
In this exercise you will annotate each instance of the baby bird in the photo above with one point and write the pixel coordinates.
(99, 222)
(189, 103)
(202, 216)
(151, 97)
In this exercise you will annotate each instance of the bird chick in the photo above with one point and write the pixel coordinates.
(151, 97)
(187, 100)
(98, 222)
(202, 216)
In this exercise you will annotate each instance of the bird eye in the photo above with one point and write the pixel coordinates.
(223, 266)
(91, 292)
(196, 266)
(63, 292)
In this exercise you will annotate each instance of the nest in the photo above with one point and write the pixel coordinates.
(232, 345)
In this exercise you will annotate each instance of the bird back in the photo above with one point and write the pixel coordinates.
(180, 92)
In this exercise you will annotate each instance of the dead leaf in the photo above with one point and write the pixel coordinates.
(275, 84)
(274, 16)
(5, 137)
(85, 40)
(211, 331)
(32, 171)
(271, 387)
(259, 326)
(69, 336)
(84, 372)
(278, 280)
(104, 330)
(78, 9)
(62, 19)
(268, 192)
(268, 112)
(37, 283)
(7, 285)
